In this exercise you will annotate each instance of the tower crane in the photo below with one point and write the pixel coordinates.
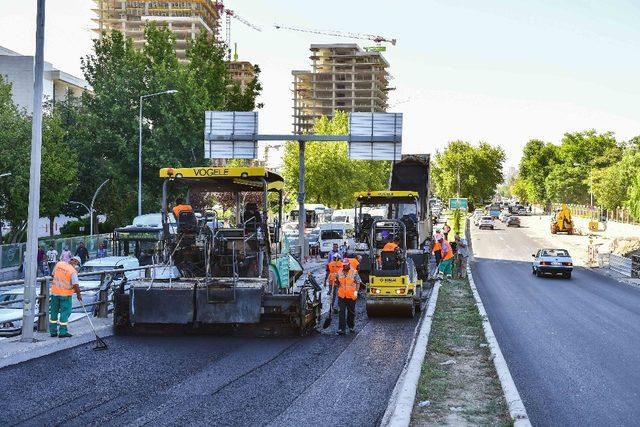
(228, 15)
(346, 34)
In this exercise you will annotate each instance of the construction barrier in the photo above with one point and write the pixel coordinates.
(620, 264)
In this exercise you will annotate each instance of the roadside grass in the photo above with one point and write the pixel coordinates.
(458, 378)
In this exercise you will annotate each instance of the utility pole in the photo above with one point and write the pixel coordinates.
(302, 215)
(91, 208)
(30, 271)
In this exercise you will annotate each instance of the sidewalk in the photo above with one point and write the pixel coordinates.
(13, 351)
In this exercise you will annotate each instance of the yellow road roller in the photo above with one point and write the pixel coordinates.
(393, 288)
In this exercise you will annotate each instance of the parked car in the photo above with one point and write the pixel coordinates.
(513, 221)
(552, 261)
(486, 222)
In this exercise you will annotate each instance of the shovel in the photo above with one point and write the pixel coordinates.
(100, 344)
(327, 321)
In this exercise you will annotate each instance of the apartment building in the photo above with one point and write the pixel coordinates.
(242, 72)
(185, 18)
(342, 77)
(17, 69)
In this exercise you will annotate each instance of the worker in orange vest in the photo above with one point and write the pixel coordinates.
(348, 285)
(63, 286)
(181, 206)
(391, 245)
(437, 249)
(354, 262)
(333, 268)
(446, 265)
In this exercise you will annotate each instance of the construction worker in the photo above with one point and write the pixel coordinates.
(63, 286)
(446, 265)
(181, 206)
(437, 249)
(355, 262)
(333, 268)
(348, 285)
(335, 253)
(391, 245)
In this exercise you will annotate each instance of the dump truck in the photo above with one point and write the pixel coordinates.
(394, 287)
(237, 279)
(561, 221)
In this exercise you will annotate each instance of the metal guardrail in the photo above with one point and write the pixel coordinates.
(620, 264)
(106, 280)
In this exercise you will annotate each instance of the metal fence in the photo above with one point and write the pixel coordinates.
(620, 264)
(619, 214)
(104, 297)
(12, 255)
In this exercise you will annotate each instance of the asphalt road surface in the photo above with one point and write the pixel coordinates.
(573, 346)
(323, 379)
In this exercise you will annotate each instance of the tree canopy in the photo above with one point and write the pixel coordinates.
(331, 177)
(478, 166)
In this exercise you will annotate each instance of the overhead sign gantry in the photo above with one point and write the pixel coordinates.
(234, 135)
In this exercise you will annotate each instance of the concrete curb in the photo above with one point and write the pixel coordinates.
(400, 407)
(517, 411)
(46, 347)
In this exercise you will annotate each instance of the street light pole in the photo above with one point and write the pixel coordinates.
(2, 175)
(30, 267)
(142, 97)
(92, 202)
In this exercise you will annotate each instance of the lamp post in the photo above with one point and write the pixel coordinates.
(29, 304)
(142, 97)
(90, 207)
(2, 175)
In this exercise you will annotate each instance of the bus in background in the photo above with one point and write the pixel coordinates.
(343, 215)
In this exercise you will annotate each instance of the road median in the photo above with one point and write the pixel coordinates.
(459, 383)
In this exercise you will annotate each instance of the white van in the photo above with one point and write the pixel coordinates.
(343, 215)
(335, 232)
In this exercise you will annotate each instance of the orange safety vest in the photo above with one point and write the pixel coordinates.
(449, 253)
(181, 208)
(354, 263)
(334, 269)
(348, 288)
(61, 283)
(436, 246)
(389, 247)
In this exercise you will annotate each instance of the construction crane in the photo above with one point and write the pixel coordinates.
(346, 34)
(228, 15)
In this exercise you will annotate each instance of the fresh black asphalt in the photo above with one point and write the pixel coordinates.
(322, 379)
(572, 346)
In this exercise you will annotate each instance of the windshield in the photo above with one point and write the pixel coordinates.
(331, 234)
(556, 253)
(92, 269)
(487, 218)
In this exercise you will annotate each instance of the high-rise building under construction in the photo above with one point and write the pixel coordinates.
(185, 18)
(342, 77)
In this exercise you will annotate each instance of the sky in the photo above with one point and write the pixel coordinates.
(500, 71)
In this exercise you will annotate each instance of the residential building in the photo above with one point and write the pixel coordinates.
(342, 77)
(185, 18)
(242, 72)
(17, 69)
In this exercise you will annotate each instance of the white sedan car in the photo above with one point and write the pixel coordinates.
(486, 222)
(552, 261)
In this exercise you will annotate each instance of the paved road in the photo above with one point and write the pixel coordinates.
(573, 346)
(323, 379)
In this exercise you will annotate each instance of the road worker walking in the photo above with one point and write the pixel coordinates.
(348, 284)
(63, 286)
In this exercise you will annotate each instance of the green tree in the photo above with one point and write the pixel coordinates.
(172, 126)
(58, 170)
(634, 197)
(331, 177)
(538, 159)
(567, 184)
(479, 168)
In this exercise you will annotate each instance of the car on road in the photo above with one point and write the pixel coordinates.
(504, 216)
(552, 261)
(513, 221)
(521, 211)
(477, 214)
(486, 222)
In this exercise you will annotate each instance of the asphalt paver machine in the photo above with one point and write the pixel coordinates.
(233, 279)
(394, 288)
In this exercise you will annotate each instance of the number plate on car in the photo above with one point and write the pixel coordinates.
(556, 263)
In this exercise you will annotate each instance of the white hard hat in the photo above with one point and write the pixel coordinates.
(77, 258)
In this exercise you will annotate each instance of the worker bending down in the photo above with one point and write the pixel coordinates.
(348, 283)
(63, 286)
(391, 245)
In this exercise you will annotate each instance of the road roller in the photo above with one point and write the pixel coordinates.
(394, 288)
